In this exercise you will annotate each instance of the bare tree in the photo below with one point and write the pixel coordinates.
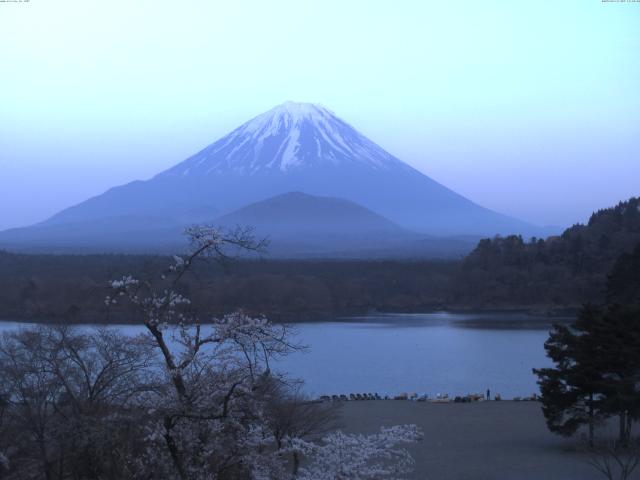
(614, 460)
(291, 416)
(68, 399)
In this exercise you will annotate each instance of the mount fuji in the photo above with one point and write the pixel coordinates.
(294, 147)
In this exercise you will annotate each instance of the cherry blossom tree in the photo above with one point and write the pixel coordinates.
(210, 417)
(343, 456)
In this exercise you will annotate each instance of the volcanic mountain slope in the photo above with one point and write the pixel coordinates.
(128, 233)
(295, 147)
(301, 225)
(296, 214)
(298, 224)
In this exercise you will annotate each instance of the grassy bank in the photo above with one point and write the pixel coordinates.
(476, 441)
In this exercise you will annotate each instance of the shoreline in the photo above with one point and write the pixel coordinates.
(538, 312)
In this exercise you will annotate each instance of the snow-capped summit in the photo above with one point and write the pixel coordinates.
(288, 137)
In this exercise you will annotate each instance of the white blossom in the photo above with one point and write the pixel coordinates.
(359, 457)
(124, 282)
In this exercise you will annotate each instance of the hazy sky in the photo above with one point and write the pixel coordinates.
(531, 108)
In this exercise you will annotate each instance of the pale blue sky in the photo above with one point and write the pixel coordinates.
(529, 108)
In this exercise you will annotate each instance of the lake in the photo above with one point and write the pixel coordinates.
(423, 353)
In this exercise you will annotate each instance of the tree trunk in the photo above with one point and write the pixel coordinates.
(296, 464)
(46, 464)
(173, 449)
(624, 433)
(591, 420)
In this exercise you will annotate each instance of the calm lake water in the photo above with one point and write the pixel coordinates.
(423, 353)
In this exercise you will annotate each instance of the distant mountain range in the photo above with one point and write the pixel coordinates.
(297, 173)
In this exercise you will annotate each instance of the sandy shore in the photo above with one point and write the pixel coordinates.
(477, 441)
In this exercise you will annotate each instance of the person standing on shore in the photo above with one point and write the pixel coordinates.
(488, 394)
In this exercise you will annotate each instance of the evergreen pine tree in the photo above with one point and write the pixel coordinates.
(597, 360)
(570, 391)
